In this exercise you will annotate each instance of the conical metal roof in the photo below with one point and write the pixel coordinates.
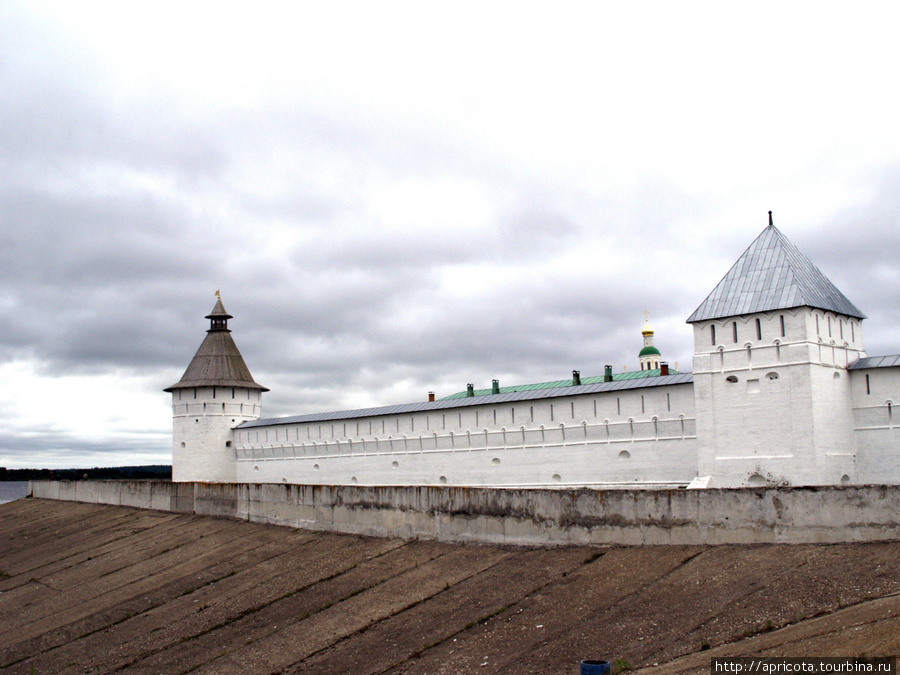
(218, 362)
(773, 274)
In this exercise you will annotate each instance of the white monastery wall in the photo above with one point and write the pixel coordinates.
(643, 436)
(774, 399)
(875, 393)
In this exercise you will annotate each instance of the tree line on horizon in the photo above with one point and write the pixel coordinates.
(154, 472)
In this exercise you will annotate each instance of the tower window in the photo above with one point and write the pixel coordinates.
(712, 334)
(758, 330)
(782, 325)
(734, 330)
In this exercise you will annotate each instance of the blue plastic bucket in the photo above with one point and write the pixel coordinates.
(594, 667)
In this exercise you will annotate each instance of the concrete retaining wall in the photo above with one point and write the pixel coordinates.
(830, 514)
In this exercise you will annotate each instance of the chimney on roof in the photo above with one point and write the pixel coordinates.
(607, 374)
(430, 396)
(470, 389)
(495, 386)
(663, 368)
(576, 378)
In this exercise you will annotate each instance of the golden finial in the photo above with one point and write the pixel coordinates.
(218, 296)
(647, 330)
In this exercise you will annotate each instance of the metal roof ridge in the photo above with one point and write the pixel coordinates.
(445, 404)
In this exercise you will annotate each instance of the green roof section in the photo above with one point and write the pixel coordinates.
(558, 384)
(646, 351)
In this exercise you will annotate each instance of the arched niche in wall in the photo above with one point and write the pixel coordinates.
(756, 480)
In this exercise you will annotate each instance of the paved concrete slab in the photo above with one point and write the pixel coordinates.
(101, 589)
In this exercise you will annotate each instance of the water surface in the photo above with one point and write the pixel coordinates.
(13, 489)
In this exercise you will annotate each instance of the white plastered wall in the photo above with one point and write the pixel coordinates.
(625, 438)
(876, 392)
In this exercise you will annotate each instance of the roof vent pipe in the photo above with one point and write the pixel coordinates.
(576, 378)
(607, 374)
(430, 396)
(495, 386)
(470, 390)
(664, 368)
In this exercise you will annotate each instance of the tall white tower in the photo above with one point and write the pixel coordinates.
(772, 343)
(215, 394)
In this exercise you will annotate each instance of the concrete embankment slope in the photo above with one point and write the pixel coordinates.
(95, 588)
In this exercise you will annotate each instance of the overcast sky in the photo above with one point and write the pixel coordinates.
(396, 198)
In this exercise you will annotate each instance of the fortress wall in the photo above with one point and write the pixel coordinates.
(831, 514)
(876, 404)
(571, 462)
(644, 436)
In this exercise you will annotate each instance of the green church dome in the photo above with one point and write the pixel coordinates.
(647, 351)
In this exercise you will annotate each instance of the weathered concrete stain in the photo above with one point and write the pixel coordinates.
(519, 516)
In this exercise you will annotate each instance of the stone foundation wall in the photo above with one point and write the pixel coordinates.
(829, 514)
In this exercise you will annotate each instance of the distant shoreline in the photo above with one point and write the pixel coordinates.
(148, 472)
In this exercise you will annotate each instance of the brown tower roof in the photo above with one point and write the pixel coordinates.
(217, 363)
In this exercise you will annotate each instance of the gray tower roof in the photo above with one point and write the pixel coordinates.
(772, 274)
(217, 363)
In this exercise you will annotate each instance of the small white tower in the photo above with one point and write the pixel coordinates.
(649, 355)
(215, 394)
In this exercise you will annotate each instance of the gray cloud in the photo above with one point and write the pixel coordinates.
(121, 212)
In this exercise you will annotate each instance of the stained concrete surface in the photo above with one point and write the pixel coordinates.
(99, 589)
